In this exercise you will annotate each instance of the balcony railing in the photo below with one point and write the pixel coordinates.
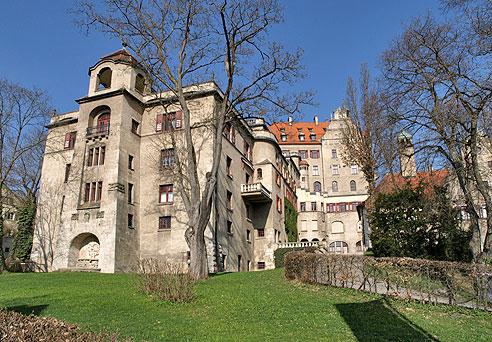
(298, 244)
(98, 130)
(255, 192)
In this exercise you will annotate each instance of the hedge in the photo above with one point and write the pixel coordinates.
(428, 281)
(280, 253)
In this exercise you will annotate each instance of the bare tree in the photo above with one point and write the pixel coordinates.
(366, 130)
(23, 114)
(181, 42)
(438, 90)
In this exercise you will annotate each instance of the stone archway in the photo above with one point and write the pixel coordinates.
(84, 251)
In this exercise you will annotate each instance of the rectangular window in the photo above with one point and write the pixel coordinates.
(313, 136)
(489, 163)
(130, 221)
(303, 154)
(164, 222)
(93, 192)
(303, 206)
(228, 166)
(103, 155)
(70, 140)
(229, 200)
(67, 172)
(87, 192)
(315, 170)
(343, 206)
(261, 232)
(233, 135)
(315, 154)
(248, 235)
(167, 158)
(166, 193)
(91, 157)
(333, 153)
(229, 227)
(261, 265)
(135, 125)
(130, 162)
(279, 204)
(130, 193)
(304, 226)
(313, 206)
(246, 150)
(99, 190)
(96, 156)
(278, 179)
(334, 169)
(354, 169)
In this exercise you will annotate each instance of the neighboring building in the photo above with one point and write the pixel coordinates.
(10, 202)
(108, 191)
(330, 190)
(409, 175)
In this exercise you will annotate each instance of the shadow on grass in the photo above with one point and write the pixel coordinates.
(379, 321)
(218, 274)
(28, 309)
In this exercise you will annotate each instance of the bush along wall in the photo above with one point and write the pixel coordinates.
(427, 281)
(279, 254)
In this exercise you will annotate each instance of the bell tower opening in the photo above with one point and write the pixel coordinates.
(104, 79)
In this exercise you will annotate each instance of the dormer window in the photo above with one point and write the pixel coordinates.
(104, 79)
(310, 129)
(299, 129)
(313, 137)
(302, 137)
(283, 137)
(282, 130)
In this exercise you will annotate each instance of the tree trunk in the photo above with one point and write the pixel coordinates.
(198, 253)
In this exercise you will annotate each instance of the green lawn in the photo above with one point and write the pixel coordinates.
(254, 306)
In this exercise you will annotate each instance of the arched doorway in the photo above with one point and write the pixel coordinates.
(84, 251)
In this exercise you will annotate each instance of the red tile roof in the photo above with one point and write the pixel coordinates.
(121, 55)
(292, 131)
(435, 178)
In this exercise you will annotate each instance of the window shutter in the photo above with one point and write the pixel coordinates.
(67, 140)
(158, 127)
(179, 118)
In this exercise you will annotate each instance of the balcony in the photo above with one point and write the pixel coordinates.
(255, 192)
(98, 130)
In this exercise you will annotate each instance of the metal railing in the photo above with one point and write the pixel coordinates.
(101, 129)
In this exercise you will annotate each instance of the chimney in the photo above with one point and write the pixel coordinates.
(290, 120)
(316, 120)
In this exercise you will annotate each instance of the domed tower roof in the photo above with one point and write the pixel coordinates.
(120, 56)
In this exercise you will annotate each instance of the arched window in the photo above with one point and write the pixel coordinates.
(339, 247)
(315, 240)
(353, 186)
(259, 174)
(304, 240)
(358, 246)
(139, 83)
(334, 186)
(103, 123)
(317, 186)
(104, 79)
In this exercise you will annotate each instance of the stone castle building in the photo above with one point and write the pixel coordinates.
(330, 190)
(108, 195)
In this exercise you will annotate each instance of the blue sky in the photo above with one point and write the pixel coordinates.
(42, 47)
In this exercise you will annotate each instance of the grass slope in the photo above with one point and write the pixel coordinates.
(253, 306)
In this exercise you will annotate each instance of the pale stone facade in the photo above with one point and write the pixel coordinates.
(108, 194)
(10, 201)
(330, 190)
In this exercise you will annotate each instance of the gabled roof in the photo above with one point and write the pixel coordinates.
(291, 131)
(431, 178)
